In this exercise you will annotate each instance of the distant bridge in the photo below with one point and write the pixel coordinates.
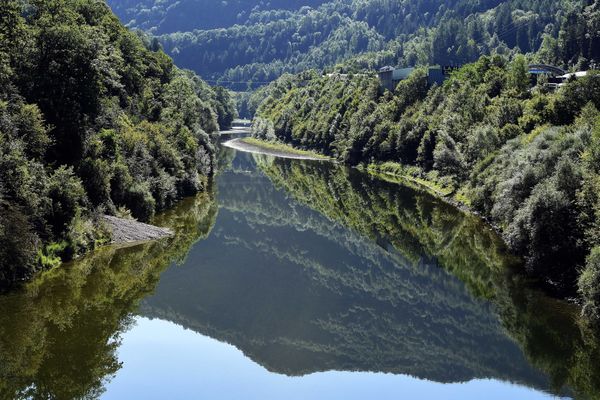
(538, 69)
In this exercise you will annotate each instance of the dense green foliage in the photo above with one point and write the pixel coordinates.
(281, 38)
(93, 118)
(226, 107)
(525, 159)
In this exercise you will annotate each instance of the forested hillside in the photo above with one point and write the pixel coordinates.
(271, 40)
(527, 159)
(93, 119)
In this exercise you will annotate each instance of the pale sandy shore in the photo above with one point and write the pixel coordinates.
(239, 145)
(130, 231)
(238, 130)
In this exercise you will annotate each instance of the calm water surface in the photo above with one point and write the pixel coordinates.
(297, 280)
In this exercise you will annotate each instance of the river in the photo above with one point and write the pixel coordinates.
(297, 279)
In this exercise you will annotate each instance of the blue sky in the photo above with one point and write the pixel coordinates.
(162, 360)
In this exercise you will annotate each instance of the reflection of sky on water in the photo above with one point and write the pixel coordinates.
(162, 360)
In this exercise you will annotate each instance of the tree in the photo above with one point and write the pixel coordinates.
(226, 107)
(518, 75)
(18, 245)
(92, 117)
(589, 284)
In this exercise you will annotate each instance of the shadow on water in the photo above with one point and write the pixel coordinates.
(308, 267)
(59, 334)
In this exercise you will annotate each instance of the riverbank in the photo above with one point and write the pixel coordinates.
(404, 175)
(411, 177)
(455, 196)
(253, 145)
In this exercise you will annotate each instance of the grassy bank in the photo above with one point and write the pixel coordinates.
(414, 177)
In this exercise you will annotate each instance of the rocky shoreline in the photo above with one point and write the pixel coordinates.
(126, 231)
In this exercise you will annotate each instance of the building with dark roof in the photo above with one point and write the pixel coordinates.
(389, 77)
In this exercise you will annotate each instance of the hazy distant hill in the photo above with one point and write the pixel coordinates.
(238, 42)
(160, 16)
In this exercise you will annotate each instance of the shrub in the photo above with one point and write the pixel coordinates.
(545, 229)
(66, 196)
(18, 244)
(140, 201)
(509, 132)
(448, 159)
(82, 236)
(96, 176)
(32, 130)
(589, 284)
(52, 254)
(263, 129)
(482, 141)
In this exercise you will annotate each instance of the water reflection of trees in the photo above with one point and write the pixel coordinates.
(59, 335)
(299, 292)
(550, 332)
(60, 332)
